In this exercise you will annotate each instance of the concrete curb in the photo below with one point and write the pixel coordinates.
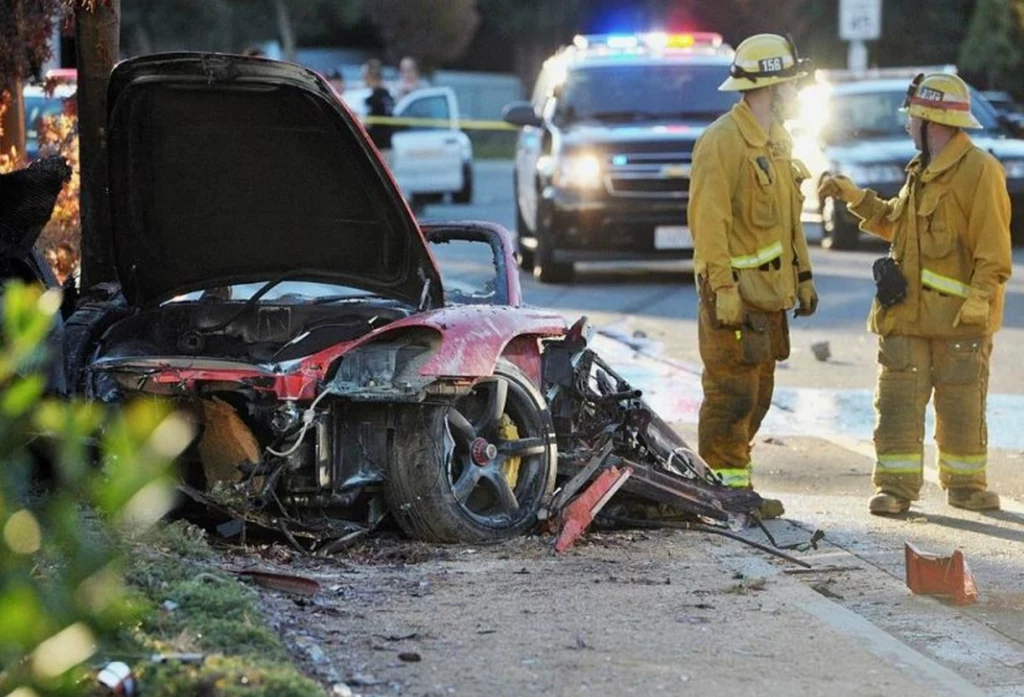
(934, 678)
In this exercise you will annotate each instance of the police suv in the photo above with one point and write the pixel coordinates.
(603, 159)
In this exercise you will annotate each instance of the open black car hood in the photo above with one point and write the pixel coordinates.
(228, 169)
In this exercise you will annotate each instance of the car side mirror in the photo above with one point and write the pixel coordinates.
(521, 114)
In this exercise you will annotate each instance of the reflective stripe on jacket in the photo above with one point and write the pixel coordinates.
(950, 232)
(744, 211)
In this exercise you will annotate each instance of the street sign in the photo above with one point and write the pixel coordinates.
(860, 20)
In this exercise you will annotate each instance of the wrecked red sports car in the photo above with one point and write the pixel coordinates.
(269, 278)
(272, 280)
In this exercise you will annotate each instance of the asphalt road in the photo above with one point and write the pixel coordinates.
(659, 302)
(815, 453)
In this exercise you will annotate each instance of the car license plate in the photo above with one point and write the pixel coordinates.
(672, 237)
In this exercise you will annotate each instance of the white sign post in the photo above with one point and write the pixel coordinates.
(859, 21)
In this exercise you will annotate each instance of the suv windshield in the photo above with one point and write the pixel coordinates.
(877, 115)
(638, 92)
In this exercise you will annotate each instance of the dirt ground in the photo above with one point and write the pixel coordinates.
(625, 613)
(668, 612)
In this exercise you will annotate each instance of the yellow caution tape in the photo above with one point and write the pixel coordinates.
(464, 124)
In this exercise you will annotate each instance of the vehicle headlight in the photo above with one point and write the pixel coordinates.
(873, 174)
(382, 365)
(1014, 169)
(578, 172)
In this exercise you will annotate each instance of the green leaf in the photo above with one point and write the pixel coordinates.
(21, 616)
(22, 395)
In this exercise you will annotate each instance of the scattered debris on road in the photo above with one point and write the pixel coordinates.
(944, 577)
(822, 351)
(283, 582)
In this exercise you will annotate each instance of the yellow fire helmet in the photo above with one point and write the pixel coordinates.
(941, 98)
(763, 60)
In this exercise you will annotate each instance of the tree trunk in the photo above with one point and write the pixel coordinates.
(285, 30)
(13, 125)
(97, 41)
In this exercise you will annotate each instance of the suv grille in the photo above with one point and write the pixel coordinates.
(649, 175)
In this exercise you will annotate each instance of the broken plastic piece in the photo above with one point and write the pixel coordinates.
(117, 679)
(947, 577)
(578, 515)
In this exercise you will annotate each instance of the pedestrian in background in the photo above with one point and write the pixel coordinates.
(940, 299)
(750, 254)
(409, 77)
(379, 104)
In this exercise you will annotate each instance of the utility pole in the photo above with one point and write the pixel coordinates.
(97, 40)
(859, 21)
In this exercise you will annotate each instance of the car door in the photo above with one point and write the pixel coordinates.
(428, 157)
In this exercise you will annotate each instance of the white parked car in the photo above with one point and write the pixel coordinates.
(429, 161)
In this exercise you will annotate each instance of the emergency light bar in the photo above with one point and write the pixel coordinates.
(651, 41)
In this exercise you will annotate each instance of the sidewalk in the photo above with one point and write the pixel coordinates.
(623, 613)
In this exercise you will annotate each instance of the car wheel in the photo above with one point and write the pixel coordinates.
(547, 271)
(545, 268)
(478, 470)
(465, 195)
(836, 232)
(525, 253)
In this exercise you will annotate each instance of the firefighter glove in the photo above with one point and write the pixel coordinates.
(808, 298)
(975, 310)
(841, 187)
(728, 306)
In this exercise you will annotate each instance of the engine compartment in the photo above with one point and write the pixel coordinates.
(260, 333)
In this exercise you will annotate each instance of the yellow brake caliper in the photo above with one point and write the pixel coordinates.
(510, 468)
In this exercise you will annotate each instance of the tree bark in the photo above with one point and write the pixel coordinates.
(285, 30)
(13, 125)
(98, 46)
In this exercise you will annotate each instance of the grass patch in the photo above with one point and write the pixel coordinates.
(213, 614)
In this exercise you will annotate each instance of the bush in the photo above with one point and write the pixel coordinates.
(61, 583)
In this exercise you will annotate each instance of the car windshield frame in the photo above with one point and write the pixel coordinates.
(288, 292)
(632, 92)
(888, 121)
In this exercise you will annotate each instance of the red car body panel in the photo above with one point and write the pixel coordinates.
(473, 338)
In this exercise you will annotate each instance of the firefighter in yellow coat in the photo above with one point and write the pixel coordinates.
(750, 254)
(950, 233)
